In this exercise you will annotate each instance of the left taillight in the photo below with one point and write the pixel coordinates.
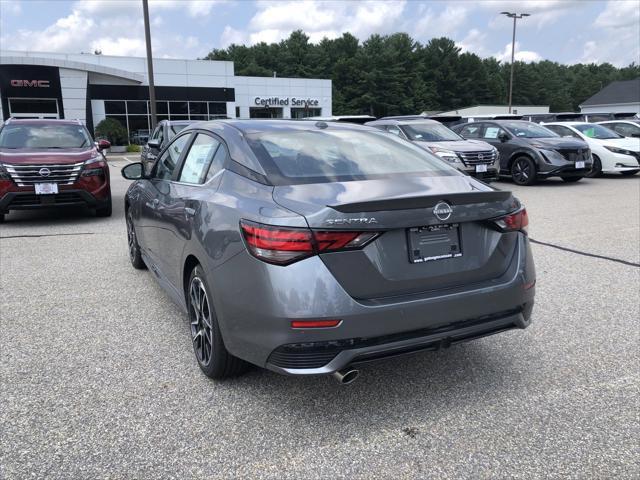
(285, 245)
(516, 221)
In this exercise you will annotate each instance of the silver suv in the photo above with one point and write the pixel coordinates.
(475, 157)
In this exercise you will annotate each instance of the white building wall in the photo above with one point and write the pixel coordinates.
(613, 108)
(498, 110)
(73, 84)
(249, 88)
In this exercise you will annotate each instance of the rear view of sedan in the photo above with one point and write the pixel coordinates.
(309, 247)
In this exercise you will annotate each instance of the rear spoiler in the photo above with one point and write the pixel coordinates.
(426, 201)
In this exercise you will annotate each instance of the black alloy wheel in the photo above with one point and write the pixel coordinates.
(212, 355)
(134, 248)
(523, 171)
(201, 323)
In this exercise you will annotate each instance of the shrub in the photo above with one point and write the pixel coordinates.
(112, 130)
(132, 147)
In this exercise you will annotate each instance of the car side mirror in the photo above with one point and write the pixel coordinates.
(154, 143)
(103, 145)
(503, 137)
(134, 171)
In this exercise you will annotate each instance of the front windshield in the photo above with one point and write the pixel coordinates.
(599, 132)
(528, 130)
(316, 156)
(430, 132)
(44, 136)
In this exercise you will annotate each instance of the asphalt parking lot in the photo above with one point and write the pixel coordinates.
(98, 377)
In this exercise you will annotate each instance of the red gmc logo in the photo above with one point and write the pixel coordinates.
(30, 83)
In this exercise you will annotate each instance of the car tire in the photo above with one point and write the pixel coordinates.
(630, 173)
(135, 255)
(211, 354)
(596, 168)
(106, 210)
(571, 179)
(523, 171)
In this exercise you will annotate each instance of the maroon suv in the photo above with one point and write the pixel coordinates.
(49, 163)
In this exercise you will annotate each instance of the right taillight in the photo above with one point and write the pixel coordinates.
(516, 221)
(285, 245)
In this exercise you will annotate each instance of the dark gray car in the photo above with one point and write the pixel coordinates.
(529, 151)
(307, 247)
(163, 133)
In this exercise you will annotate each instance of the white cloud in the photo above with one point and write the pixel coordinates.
(615, 34)
(115, 27)
(10, 7)
(520, 55)
(473, 43)
(275, 20)
(543, 12)
(444, 24)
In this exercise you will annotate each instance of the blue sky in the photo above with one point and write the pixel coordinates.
(567, 31)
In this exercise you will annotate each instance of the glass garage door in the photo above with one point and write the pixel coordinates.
(33, 108)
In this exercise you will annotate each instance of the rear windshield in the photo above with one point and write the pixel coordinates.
(592, 130)
(310, 156)
(430, 132)
(44, 136)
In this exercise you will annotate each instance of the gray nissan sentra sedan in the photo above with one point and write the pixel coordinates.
(309, 247)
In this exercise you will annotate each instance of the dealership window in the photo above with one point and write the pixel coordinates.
(237, 112)
(305, 112)
(134, 115)
(262, 112)
(115, 108)
(33, 107)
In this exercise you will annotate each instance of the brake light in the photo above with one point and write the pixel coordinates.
(285, 245)
(517, 221)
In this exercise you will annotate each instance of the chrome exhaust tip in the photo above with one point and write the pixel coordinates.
(346, 376)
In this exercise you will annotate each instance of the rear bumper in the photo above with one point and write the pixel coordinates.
(293, 360)
(255, 311)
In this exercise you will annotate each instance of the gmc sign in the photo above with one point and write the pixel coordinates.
(30, 83)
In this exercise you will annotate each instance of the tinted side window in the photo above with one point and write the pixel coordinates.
(394, 129)
(623, 128)
(562, 131)
(218, 162)
(197, 161)
(472, 131)
(166, 164)
(492, 132)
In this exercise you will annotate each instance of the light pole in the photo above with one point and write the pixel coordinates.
(152, 88)
(515, 17)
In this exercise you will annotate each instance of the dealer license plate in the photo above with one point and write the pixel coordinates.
(481, 168)
(580, 164)
(434, 242)
(46, 188)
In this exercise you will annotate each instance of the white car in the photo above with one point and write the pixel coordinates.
(626, 128)
(612, 153)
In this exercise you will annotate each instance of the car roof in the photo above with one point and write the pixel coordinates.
(571, 124)
(406, 121)
(274, 125)
(178, 122)
(42, 121)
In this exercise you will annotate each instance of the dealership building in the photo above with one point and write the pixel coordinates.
(94, 87)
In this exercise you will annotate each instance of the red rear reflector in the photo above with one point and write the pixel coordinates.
(315, 323)
(285, 245)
